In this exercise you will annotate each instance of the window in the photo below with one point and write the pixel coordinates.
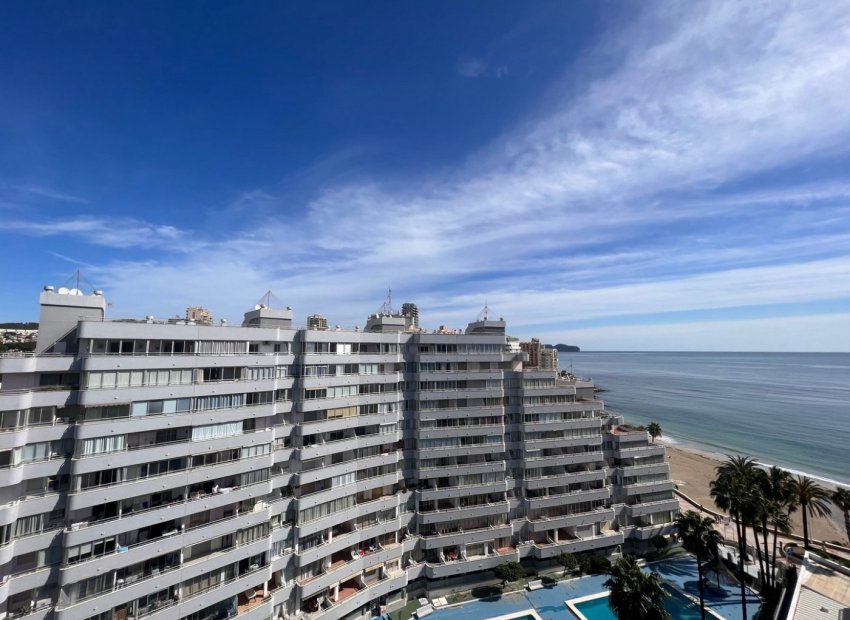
(259, 398)
(59, 379)
(156, 407)
(219, 401)
(102, 445)
(222, 374)
(211, 431)
(99, 478)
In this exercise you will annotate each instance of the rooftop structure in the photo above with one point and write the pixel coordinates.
(822, 590)
(317, 321)
(183, 471)
(411, 311)
(199, 315)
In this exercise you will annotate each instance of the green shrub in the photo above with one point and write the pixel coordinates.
(510, 571)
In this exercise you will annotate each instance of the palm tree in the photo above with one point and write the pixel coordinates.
(700, 538)
(635, 594)
(841, 498)
(774, 511)
(813, 499)
(735, 489)
(654, 430)
(780, 521)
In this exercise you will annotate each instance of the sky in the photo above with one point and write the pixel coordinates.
(614, 175)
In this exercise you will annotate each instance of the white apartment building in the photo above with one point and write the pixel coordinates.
(171, 470)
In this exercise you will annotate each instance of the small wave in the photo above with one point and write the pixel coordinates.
(666, 439)
(797, 472)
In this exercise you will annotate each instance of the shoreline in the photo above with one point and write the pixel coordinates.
(710, 452)
(692, 470)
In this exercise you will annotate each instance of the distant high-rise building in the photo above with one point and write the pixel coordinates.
(548, 358)
(317, 321)
(533, 350)
(199, 315)
(411, 311)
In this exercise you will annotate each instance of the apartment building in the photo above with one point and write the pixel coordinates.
(170, 470)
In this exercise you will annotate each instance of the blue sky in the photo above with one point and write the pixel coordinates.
(626, 176)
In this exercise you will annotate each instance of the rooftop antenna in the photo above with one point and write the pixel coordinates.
(485, 312)
(77, 277)
(387, 306)
(268, 300)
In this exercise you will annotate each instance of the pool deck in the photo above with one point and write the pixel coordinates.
(549, 602)
(725, 600)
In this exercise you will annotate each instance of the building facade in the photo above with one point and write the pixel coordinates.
(199, 315)
(183, 471)
(548, 358)
(317, 321)
(532, 350)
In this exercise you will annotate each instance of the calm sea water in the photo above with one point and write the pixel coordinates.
(786, 409)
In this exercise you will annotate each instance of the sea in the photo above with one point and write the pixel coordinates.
(785, 409)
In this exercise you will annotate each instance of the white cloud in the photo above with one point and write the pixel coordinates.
(47, 192)
(115, 233)
(471, 67)
(555, 220)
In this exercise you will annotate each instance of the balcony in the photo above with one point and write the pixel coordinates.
(551, 549)
(485, 467)
(86, 531)
(640, 452)
(356, 596)
(653, 486)
(647, 532)
(486, 509)
(590, 517)
(343, 567)
(362, 508)
(437, 493)
(360, 486)
(453, 568)
(564, 499)
(459, 536)
(575, 458)
(639, 509)
(565, 478)
(345, 539)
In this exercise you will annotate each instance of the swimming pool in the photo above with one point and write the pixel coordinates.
(548, 602)
(679, 606)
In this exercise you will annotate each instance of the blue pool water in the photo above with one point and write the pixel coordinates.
(596, 609)
(680, 608)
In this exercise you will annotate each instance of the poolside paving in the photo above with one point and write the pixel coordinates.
(549, 602)
(725, 600)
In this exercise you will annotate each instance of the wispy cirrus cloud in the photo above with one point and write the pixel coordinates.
(603, 202)
(471, 67)
(48, 192)
(110, 232)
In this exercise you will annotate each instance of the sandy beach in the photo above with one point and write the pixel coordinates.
(692, 471)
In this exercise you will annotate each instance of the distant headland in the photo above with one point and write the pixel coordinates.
(567, 348)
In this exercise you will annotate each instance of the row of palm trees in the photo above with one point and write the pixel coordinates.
(756, 498)
(763, 501)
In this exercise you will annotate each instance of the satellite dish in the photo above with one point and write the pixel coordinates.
(63, 291)
(75, 291)
(258, 306)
